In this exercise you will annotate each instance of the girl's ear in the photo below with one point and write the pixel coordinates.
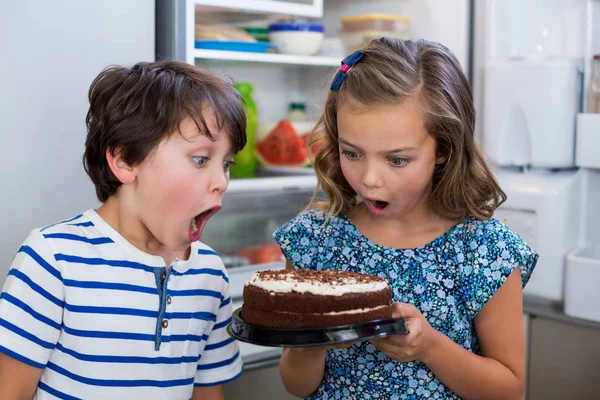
(441, 159)
(123, 171)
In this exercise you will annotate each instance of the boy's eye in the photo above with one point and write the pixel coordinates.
(200, 160)
(351, 155)
(398, 161)
(228, 164)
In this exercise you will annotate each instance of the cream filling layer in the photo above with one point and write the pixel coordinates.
(335, 288)
(348, 312)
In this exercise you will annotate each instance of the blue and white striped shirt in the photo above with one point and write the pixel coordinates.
(106, 320)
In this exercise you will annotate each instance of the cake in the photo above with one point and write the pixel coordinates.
(314, 299)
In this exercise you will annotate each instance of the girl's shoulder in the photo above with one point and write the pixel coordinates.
(487, 252)
(314, 221)
(491, 232)
(308, 233)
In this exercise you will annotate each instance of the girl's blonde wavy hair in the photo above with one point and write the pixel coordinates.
(391, 71)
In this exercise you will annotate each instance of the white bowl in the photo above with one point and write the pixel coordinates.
(306, 43)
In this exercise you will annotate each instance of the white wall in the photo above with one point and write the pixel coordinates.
(50, 51)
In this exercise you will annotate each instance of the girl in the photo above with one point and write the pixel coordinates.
(410, 199)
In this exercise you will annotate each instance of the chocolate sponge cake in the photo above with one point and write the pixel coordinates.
(313, 299)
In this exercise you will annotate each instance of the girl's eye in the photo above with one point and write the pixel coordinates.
(200, 160)
(351, 155)
(228, 164)
(398, 161)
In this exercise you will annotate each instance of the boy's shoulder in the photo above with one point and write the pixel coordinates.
(74, 223)
(208, 256)
(79, 228)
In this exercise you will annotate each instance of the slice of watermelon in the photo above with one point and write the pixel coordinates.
(282, 148)
(315, 147)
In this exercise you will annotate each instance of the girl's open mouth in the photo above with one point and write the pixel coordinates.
(377, 207)
(199, 221)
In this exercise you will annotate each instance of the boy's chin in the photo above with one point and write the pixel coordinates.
(175, 243)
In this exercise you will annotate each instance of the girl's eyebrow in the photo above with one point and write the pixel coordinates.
(342, 141)
(397, 150)
(400, 150)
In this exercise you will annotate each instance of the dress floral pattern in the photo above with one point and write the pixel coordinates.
(449, 280)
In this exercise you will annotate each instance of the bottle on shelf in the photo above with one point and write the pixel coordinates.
(296, 112)
(246, 161)
(594, 99)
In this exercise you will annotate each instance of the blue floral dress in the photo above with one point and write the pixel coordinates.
(449, 280)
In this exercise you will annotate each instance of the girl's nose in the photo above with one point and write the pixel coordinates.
(371, 177)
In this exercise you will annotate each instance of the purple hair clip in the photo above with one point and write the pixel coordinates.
(347, 64)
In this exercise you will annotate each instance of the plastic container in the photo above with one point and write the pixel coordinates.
(221, 32)
(246, 160)
(299, 38)
(358, 31)
(594, 100)
(296, 112)
(231, 45)
(581, 284)
(259, 33)
(587, 150)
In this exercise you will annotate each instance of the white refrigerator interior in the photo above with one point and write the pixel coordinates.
(279, 79)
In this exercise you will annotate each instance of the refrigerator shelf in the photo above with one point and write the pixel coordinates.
(313, 9)
(269, 58)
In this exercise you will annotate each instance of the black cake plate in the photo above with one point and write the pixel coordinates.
(312, 337)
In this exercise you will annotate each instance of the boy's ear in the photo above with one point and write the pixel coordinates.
(123, 171)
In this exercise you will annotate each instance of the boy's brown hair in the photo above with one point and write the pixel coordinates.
(391, 71)
(133, 109)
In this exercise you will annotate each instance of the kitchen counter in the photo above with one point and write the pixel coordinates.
(540, 307)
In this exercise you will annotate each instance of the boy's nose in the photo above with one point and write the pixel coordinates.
(219, 182)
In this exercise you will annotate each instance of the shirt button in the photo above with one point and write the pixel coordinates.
(165, 323)
(163, 276)
(169, 300)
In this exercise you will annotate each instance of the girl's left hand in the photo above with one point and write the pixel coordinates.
(415, 345)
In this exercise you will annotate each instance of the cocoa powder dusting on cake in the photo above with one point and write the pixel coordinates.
(329, 277)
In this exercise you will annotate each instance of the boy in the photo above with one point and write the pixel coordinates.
(124, 301)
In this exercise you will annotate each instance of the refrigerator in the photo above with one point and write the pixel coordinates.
(530, 65)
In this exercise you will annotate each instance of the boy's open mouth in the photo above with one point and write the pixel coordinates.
(199, 221)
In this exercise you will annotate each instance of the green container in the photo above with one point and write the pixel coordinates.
(246, 159)
(259, 33)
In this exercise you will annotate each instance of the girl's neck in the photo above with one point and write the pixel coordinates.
(414, 229)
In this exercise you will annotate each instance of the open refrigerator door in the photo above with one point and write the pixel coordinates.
(535, 66)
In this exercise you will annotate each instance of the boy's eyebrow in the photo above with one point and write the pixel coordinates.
(397, 150)
(231, 153)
